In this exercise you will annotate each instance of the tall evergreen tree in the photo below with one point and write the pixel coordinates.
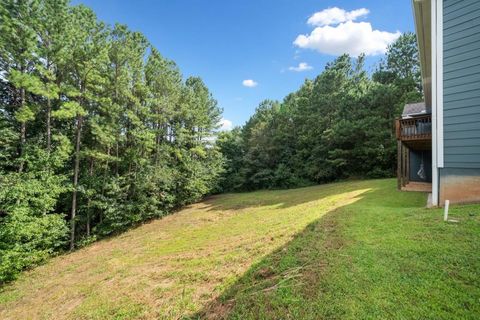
(94, 122)
(19, 57)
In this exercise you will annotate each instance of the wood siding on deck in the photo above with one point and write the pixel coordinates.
(461, 91)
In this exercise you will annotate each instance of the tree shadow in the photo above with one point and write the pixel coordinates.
(295, 270)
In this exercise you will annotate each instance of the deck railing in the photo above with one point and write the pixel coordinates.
(417, 128)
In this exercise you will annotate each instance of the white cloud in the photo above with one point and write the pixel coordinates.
(336, 33)
(335, 15)
(249, 83)
(302, 66)
(225, 125)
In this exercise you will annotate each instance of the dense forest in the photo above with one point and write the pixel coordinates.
(339, 125)
(98, 131)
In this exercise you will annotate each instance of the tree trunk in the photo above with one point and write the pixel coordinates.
(23, 131)
(75, 181)
(104, 182)
(88, 219)
(90, 172)
(116, 155)
(49, 120)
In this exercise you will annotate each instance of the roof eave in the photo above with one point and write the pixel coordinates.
(422, 14)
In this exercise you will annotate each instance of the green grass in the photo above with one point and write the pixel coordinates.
(351, 250)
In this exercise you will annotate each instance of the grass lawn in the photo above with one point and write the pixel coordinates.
(351, 250)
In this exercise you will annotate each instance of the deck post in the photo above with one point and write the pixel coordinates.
(399, 165)
(403, 165)
(407, 165)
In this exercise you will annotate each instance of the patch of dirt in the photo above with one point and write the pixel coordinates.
(217, 311)
(264, 273)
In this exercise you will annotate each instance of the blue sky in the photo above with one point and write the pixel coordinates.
(228, 42)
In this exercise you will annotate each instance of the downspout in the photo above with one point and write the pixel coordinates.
(434, 103)
(437, 97)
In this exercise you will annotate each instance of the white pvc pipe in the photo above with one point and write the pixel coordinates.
(445, 213)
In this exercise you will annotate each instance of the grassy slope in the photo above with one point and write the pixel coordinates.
(348, 250)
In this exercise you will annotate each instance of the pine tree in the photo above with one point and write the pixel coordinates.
(18, 55)
(103, 109)
(88, 47)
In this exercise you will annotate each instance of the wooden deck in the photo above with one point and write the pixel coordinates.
(417, 128)
(416, 132)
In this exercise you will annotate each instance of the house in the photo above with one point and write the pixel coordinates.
(448, 34)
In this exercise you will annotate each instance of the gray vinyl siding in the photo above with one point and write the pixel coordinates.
(461, 83)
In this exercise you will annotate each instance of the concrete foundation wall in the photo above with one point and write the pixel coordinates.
(459, 185)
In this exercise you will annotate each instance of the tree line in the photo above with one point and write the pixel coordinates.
(98, 131)
(339, 125)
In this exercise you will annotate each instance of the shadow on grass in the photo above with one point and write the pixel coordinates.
(284, 283)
